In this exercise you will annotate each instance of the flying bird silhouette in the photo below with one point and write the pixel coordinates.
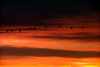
(82, 27)
(6, 30)
(20, 31)
(30, 28)
(34, 28)
(71, 27)
(45, 26)
(59, 26)
(12, 30)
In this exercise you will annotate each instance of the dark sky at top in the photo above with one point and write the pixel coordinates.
(39, 12)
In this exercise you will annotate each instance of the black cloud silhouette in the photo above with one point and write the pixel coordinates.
(42, 52)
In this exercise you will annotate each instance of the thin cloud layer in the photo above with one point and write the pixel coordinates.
(42, 52)
(81, 36)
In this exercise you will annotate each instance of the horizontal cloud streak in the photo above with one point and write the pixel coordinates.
(81, 38)
(78, 33)
(42, 52)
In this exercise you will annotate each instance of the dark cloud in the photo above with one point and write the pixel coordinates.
(78, 33)
(47, 5)
(88, 39)
(10, 32)
(2, 32)
(33, 18)
(40, 12)
(84, 34)
(42, 52)
(81, 36)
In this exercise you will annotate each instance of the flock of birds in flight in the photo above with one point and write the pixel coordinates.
(35, 28)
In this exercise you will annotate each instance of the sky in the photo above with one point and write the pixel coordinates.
(51, 46)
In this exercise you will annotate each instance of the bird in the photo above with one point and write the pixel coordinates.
(12, 30)
(45, 26)
(34, 28)
(71, 27)
(59, 26)
(30, 28)
(20, 31)
(82, 27)
(7, 30)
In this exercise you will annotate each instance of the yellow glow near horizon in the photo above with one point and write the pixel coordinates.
(80, 63)
(91, 66)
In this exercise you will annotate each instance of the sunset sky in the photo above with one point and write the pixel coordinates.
(51, 46)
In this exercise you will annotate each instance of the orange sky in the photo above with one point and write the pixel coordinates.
(52, 46)
(51, 38)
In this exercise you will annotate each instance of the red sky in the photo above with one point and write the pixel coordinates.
(51, 46)
(53, 37)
